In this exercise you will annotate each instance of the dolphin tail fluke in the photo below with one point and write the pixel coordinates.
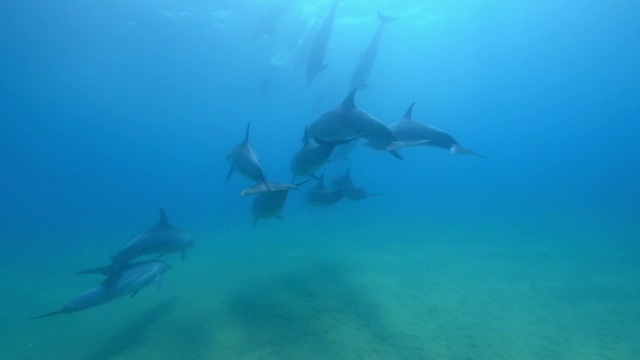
(385, 19)
(229, 174)
(246, 134)
(47, 315)
(459, 150)
(396, 154)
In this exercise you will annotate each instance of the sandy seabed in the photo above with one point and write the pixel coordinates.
(284, 291)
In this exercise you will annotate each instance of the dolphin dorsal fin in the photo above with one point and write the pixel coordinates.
(348, 102)
(305, 137)
(163, 219)
(407, 115)
(321, 182)
(246, 135)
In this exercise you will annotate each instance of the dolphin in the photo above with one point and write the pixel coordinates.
(312, 156)
(320, 196)
(348, 188)
(348, 121)
(161, 239)
(363, 69)
(410, 131)
(263, 187)
(243, 159)
(129, 280)
(319, 46)
(267, 23)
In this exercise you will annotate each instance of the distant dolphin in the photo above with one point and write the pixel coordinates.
(129, 280)
(315, 62)
(263, 187)
(243, 159)
(267, 23)
(320, 196)
(412, 131)
(348, 121)
(312, 156)
(348, 188)
(160, 239)
(363, 69)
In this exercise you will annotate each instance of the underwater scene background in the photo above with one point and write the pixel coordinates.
(111, 110)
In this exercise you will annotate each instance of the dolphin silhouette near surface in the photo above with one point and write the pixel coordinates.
(128, 281)
(315, 61)
(368, 58)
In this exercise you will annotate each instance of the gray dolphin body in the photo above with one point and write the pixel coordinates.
(267, 23)
(269, 204)
(348, 188)
(129, 280)
(161, 239)
(243, 160)
(315, 62)
(368, 58)
(312, 156)
(320, 196)
(410, 131)
(347, 121)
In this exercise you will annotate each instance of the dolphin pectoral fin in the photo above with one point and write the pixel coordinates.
(47, 315)
(279, 217)
(395, 154)
(255, 220)
(314, 176)
(160, 255)
(159, 283)
(229, 173)
(133, 294)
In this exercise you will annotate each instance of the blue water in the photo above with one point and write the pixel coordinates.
(110, 110)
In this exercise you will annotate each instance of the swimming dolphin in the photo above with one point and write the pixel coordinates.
(263, 187)
(348, 121)
(315, 61)
(312, 156)
(161, 239)
(363, 69)
(320, 196)
(129, 280)
(267, 23)
(243, 159)
(411, 131)
(348, 188)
